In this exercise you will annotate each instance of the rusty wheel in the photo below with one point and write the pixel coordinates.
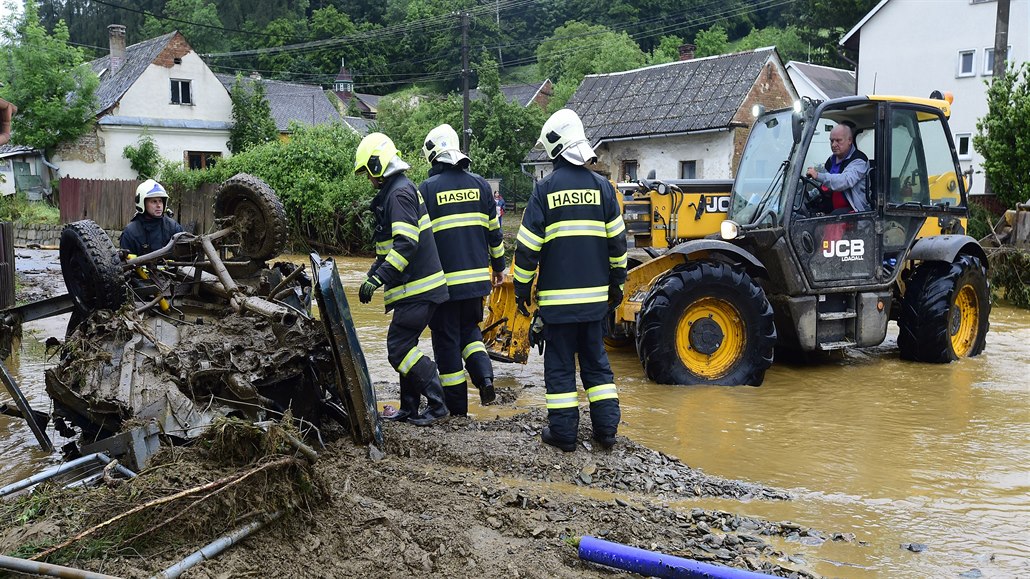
(258, 215)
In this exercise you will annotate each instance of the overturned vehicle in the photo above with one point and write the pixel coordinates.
(205, 327)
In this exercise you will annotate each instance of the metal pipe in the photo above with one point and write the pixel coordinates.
(292, 276)
(652, 564)
(237, 300)
(48, 569)
(59, 469)
(214, 548)
(26, 410)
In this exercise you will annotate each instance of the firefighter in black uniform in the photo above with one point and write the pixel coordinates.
(468, 238)
(151, 228)
(408, 266)
(572, 228)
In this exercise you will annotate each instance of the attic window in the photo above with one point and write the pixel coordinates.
(177, 60)
(181, 94)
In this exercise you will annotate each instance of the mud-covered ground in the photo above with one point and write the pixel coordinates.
(467, 498)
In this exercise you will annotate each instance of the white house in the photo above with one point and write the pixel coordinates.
(820, 82)
(687, 119)
(913, 48)
(159, 87)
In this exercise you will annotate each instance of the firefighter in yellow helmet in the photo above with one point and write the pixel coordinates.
(408, 268)
(573, 230)
(151, 228)
(468, 235)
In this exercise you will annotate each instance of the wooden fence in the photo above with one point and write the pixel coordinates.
(112, 203)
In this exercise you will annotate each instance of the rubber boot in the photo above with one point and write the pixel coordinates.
(409, 401)
(486, 391)
(548, 438)
(432, 389)
(457, 399)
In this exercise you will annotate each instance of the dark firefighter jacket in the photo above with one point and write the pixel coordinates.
(144, 234)
(573, 228)
(468, 234)
(406, 258)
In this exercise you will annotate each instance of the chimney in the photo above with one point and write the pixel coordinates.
(116, 32)
(687, 51)
(255, 76)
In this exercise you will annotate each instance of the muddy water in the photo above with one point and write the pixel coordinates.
(891, 451)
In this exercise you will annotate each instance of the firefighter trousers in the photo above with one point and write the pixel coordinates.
(564, 343)
(408, 323)
(457, 346)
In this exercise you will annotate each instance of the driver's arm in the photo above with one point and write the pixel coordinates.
(852, 174)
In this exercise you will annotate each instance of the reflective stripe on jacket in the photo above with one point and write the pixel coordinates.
(573, 230)
(465, 225)
(406, 259)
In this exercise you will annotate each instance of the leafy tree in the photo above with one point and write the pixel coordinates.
(1003, 136)
(144, 158)
(201, 38)
(711, 42)
(667, 50)
(824, 22)
(577, 49)
(786, 40)
(252, 122)
(46, 79)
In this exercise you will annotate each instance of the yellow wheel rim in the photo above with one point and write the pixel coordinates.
(965, 321)
(710, 337)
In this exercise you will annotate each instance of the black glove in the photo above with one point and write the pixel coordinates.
(536, 332)
(368, 288)
(614, 295)
(522, 303)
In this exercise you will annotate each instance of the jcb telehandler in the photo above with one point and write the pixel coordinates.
(780, 274)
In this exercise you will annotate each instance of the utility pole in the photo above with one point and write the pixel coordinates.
(466, 132)
(500, 59)
(1001, 39)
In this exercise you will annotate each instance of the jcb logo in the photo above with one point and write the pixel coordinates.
(717, 204)
(845, 249)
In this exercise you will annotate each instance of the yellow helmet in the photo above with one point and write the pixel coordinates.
(374, 153)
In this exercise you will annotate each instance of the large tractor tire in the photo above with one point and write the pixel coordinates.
(257, 213)
(945, 311)
(706, 323)
(91, 267)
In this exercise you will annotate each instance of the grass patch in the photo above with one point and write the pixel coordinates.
(19, 209)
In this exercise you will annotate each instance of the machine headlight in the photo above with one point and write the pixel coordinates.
(729, 230)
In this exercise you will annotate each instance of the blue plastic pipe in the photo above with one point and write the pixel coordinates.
(651, 564)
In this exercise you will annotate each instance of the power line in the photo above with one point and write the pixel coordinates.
(190, 22)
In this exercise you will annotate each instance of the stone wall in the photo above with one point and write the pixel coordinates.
(47, 236)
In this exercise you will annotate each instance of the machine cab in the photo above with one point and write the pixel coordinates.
(906, 182)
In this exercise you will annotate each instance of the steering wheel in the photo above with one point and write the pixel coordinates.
(803, 206)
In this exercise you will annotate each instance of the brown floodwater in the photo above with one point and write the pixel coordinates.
(892, 451)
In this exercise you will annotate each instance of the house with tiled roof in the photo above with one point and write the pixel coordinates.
(525, 94)
(821, 82)
(367, 104)
(291, 102)
(159, 87)
(684, 119)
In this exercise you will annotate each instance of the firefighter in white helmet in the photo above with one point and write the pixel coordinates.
(573, 230)
(151, 228)
(408, 268)
(468, 238)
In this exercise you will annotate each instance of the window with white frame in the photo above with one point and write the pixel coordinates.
(966, 63)
(989, 60)
(963, 142)
(181, 93)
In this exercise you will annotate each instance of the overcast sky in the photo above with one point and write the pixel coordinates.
(5, 10)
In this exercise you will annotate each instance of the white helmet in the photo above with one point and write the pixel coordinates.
(442, 146)
(149, 189)
(563, 135)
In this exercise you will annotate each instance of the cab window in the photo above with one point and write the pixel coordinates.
(922, 167)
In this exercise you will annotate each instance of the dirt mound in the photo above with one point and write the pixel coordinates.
(465, 498)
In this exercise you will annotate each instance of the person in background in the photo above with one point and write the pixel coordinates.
(573, 229)
(499, 202)
(468, 238)
(408, 266)
(151, 228)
